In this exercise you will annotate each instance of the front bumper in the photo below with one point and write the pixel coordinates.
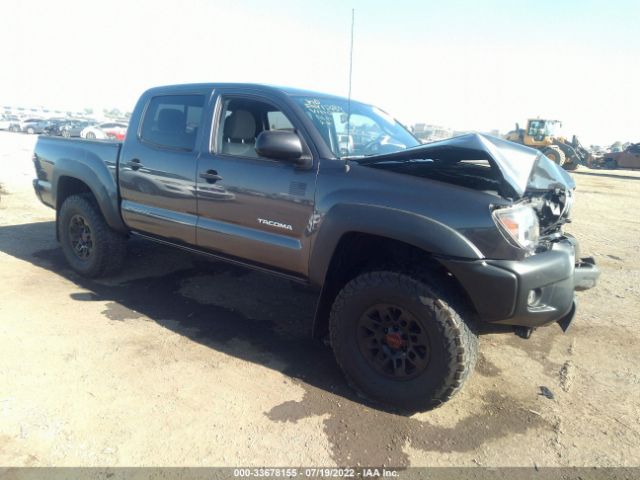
(533, 292)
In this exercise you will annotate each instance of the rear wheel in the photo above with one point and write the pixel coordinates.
(570, 166)
(89, 245)
(554, 153)
(66, 133)
(401, 341)
(30, 131)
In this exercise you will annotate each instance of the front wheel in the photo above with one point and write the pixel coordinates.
(90, 136)
(91, 248)
(400, 341)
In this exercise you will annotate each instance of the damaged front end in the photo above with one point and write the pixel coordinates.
(489, 164)
(551, 192)
(538, 287)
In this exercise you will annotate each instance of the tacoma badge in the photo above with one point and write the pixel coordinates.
(273, 223)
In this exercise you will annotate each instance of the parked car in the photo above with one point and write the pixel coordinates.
(103, 131)
(413, 249)
(34, 126)
(9, 122)
(26, 120)
(54, 125)
(69, 128)
(628, 158)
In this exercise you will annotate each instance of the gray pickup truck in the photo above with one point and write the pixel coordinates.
(414, 249)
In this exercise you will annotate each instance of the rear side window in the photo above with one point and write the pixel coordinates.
(173, 121)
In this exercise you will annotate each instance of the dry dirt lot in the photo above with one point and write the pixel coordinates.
(183, 361)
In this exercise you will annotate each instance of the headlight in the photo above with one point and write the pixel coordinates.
(520, 223)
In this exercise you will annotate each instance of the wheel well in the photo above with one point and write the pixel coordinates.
(359, 252)
(68, 186)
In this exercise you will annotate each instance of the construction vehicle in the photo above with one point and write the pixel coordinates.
(541, 134)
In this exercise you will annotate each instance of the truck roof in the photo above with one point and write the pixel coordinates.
(291, 91)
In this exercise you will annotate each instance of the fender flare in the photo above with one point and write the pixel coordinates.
(93, 172)
(411, 228)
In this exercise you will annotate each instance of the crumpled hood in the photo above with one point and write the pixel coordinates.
(519, 169)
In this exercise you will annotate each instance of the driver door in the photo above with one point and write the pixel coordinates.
(250, 207)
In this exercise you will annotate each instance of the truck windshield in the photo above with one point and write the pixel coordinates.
(368, 131)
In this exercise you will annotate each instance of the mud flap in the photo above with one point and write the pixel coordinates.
(565, 322)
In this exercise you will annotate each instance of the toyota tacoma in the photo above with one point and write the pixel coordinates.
(414, 250)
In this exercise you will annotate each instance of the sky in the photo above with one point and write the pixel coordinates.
(468, 65)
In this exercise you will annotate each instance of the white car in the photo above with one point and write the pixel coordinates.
(9, 122)
(103, 131)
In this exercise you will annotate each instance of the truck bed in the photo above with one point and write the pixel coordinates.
(54, 157)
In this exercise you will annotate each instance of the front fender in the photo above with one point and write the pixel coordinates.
(411, 228)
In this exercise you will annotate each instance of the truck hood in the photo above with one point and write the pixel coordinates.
(481, 162)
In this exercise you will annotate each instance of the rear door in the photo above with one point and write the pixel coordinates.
(157, 171)
(251, 207)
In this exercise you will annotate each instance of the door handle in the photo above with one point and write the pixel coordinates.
(135, 164)
(211, 176)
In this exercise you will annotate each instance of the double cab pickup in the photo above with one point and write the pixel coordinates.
(414, 250)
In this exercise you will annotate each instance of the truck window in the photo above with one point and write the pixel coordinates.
(242, 120)
(173, 121)
(535, 128)
(278, 121)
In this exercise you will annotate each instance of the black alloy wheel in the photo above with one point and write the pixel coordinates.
(80, 237)
(403, 338)
(393, 341)
(90, 246)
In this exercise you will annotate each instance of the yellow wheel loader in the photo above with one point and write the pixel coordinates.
(542, 135)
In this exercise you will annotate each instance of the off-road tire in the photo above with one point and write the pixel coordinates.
(109, 247)
(570, 166)
(554, 153)
(453, 343)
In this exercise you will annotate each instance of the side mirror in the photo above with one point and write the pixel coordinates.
(280, 145)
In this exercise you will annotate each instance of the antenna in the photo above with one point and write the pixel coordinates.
(353, 16)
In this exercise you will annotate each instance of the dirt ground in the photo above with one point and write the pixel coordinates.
(186, 362)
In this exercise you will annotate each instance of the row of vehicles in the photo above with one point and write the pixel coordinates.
(628, 157)
(65, 127)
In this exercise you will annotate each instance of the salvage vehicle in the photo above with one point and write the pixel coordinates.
(543, 135)
(74, 129)
(414, 250)
(9, 122)
(106, 130)
(32, 125)
(627, 158)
